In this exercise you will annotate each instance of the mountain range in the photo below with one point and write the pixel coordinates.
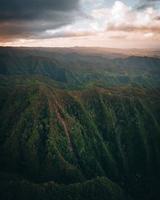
(79, 123)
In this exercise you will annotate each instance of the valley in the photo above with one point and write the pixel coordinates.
(79, 125)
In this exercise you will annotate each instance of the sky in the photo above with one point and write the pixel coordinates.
(68, 23)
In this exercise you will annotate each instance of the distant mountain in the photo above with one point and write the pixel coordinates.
(78, 70)
(76, 126)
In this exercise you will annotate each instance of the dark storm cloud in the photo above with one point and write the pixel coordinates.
(27, 18)
(31, 9)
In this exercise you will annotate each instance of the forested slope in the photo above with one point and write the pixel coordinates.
(61, 140)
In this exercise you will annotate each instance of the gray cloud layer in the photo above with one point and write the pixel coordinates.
(147, 3)
(33, 9)
(19, 18)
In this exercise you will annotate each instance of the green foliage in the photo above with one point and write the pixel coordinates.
(74, 132)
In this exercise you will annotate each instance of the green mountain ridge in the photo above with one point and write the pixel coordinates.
(75, 70)
(66, 136)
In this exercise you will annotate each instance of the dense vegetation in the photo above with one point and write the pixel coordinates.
(78, 126)
(77, 70)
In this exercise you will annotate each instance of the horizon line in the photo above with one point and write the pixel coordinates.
(71, 47)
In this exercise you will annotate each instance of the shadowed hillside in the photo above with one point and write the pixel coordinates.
(81, 128)
(75, 69)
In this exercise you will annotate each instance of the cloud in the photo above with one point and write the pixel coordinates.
(64, 34)
(123, 18)
(21, 18)
(143, 4)
(68, 22)
(157, 18)
(33, 9)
